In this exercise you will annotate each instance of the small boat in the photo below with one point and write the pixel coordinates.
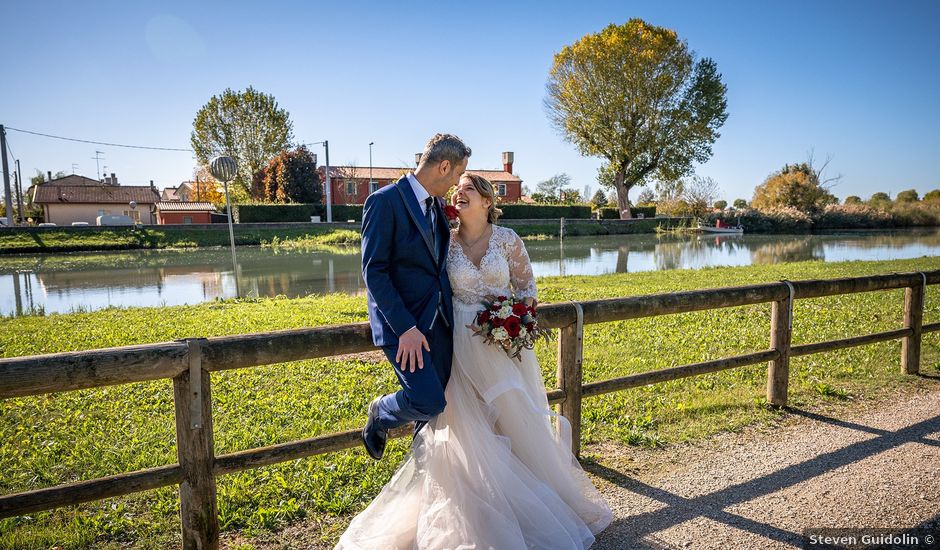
(735, 230)
(721, 228)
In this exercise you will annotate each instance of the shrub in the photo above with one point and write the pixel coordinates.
(852, 216)
(544, 211)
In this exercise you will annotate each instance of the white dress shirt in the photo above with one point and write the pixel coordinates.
(422, 195)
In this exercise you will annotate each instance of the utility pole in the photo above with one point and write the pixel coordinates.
(8, 199)
(329, 187)
(19, 183)
(19, 200)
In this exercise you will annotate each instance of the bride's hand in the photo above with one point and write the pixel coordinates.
(531, 302)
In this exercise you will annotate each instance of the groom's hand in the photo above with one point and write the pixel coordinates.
(409, 349)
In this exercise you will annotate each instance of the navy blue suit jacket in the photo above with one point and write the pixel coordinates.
(405, 277)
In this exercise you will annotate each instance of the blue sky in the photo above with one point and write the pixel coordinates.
(855, 80)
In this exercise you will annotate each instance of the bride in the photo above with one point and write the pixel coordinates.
(492, 470)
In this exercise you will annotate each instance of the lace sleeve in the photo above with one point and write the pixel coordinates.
(520, 268)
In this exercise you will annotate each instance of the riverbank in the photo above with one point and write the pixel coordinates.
(78, 239)
(300, 235)
(68, 239)
(91, 433)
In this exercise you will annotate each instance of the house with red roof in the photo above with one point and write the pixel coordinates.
(75, 198)
(351, 184)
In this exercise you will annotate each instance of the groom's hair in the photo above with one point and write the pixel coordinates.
(443, 147)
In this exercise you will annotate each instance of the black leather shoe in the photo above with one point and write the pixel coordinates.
(373, 437)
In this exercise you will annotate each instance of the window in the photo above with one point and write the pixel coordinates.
(350, 188)
(373, 187)
(187, 219)
(501, 189)
(104, 212)
(133, 215)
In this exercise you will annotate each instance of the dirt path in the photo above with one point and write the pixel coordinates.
(762, 488)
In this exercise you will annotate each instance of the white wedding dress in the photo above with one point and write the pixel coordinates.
(493, 471)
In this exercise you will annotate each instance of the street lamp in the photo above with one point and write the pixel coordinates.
(224, 169)
(371, 184)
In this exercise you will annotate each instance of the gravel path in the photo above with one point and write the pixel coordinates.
(762, 488)
(874, 466)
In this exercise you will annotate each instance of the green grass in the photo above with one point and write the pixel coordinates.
(85, 434)
(341, 241)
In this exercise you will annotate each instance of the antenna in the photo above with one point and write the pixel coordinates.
(74, 168)
(98, 158)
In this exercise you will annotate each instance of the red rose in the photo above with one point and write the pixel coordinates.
(497, 322)
(501, 298)
(512, 326)
(530, 326)
(519, 309)
(483, 317)
(451, 212)
(495, 307)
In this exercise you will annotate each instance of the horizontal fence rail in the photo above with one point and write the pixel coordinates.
(189, 363)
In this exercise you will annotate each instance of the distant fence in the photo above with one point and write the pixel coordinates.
(189, 363)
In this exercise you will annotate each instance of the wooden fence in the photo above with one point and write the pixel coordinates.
(189, 363)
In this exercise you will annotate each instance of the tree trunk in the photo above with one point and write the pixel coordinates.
(623, 189)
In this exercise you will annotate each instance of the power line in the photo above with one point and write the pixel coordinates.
(11, 150)
(101, 142)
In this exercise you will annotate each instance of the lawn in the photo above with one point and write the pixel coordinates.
(85, 434)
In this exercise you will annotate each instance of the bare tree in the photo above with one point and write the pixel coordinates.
(700, 194)
(818, 172)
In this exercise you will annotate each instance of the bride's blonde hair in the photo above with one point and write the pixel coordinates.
(485, 189)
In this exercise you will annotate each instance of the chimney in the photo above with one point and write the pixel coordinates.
(114, 179)
(507, 161)
(49, 174)
(418, 158)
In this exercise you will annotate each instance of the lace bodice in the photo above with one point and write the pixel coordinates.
(504, 269)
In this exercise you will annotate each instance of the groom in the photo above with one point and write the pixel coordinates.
(404, 246)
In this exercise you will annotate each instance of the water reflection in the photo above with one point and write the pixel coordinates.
(65, 282)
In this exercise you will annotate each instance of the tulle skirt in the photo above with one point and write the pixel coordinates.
(493, 470)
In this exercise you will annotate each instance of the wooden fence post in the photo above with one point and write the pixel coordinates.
(195, 448)
(781, 333)
(914, 320)
(569, 376)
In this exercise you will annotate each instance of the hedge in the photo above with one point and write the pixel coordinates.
(610, 213)
(544, 211)
(267, 213)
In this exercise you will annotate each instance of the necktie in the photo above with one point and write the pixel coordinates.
(428, 211)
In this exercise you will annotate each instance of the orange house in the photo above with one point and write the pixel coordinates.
(178, 212)
(350, 184)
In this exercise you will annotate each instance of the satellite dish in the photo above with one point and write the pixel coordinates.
(133, 204)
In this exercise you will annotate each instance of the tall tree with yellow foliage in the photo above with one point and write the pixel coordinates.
(634, 96)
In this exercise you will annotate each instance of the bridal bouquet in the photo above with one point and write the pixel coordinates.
(508, 323)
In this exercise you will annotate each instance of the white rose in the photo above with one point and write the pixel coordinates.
(505, 312)
(499, 333)
(522, 331)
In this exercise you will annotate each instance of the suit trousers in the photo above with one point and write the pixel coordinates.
(421, 396)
